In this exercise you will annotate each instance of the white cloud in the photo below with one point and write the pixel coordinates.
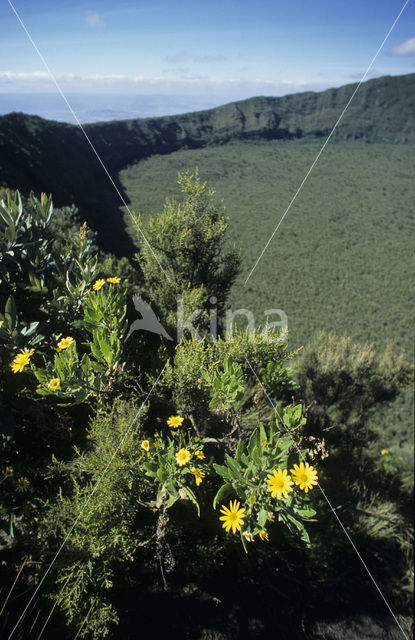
(110, 76)
(184, 56)
(93, 19)
(181, 82)
(406, 48)
(24, 75)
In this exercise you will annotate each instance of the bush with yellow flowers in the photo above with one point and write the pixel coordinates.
(73, 377)
(137, 462)
(269, 480)
(176, 463)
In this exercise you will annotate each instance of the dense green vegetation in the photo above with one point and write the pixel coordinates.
(343, 258)
(183, 477)
(176, 462)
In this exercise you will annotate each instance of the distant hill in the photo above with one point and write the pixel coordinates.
(44, 155)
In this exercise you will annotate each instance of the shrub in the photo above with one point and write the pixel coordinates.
(183, 252)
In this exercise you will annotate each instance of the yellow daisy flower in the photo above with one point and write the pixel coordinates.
(65, 343)
(114, 280)
(9, 471)
(200, 455)
(264, 535)
(174, 422)
(198, 474)
(21, 360)
(304, 476)
(53, 384)
(384, 452)
(145, 445)
(98, 284)
(233, 518)
(22, 484)
(280, 483)
(183, 457)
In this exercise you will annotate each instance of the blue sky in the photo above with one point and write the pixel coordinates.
(230, 49)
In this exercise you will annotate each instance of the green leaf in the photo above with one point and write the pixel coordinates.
(6, 217)
(233, 465)
(296, 413)
(172, 489)
(215, 402)
(29, 329)
(192, 498)
(295, 522)
(305, 513)
(225, 490)
(262, 518)
(262, 434)
(283, 445)
(255, 455)
(151, 469)
(240, 450)
(222, 471)
(171, 500)
(305, 537)
(279, 414)
(253, 440)
(11, 311)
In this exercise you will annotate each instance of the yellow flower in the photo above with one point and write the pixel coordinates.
(21, 360)
(55, 383)
(9, 471)
(280, 483)
(233, 518)
(384, 452)
(65, 343)
(264, 535)
(200, 455)
(22, 484)
(174, 422)
(183, 457)
(248, 536)
(304, 476)
(114, 280)
(198, 474)
(145, 445)
(98, 284)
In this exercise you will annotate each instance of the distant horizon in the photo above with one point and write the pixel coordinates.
(108, 106)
